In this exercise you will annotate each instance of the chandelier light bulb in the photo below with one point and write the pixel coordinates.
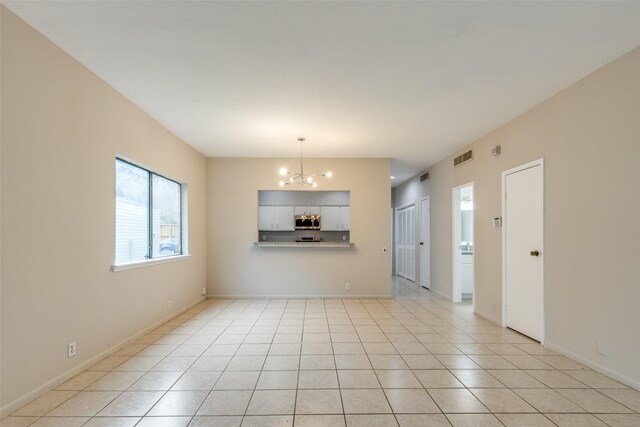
(291, 179)
(314, 185)
(328, 174)
(281, 183)
(283, 171)
(309, 179)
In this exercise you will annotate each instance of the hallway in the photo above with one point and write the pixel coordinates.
(413, 360)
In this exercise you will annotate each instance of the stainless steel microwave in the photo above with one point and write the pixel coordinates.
(307, 222)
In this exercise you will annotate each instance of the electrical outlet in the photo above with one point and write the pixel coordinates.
(169, 305)
(71, 349)
(347, 285)
(204, 291)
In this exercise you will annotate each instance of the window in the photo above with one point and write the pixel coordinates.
(148, 214)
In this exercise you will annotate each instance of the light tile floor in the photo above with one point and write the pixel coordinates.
(414, 360)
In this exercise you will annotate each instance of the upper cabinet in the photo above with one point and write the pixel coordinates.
(283, 218)
(307, 210)
(345, 217)
(276, 218)
(335, 218)
(265, 218)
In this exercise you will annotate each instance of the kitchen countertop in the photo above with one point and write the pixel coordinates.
(303, 244)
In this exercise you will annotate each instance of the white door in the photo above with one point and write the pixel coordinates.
(411, 247)
(283, 218)
(330, 218)
(405, 242)
(425, 243)
(523, 249)
(265, 218)
(401, 242)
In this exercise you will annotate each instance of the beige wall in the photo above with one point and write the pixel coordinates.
(235, 267)
(61, 129)
(589, 136)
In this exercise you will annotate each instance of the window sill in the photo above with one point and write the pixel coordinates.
(148, 262)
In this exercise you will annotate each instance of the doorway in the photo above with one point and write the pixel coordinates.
(425, 242)
(522, 249)
(406, 241)
(463, 277)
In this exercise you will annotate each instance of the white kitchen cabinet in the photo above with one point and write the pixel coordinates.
(265, 218)
(307, 210)
(330, 218)
(283, 218)
(345, 217)
(275, 218)
(466, 270)
(335, 218)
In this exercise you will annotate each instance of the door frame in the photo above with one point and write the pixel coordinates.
(525, 166)
(456, 286)
(428, 244)
(397, 253)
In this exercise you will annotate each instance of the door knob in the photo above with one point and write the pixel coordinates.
(535, 253)
(421, 243)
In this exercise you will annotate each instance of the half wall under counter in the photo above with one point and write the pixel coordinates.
(304, 244)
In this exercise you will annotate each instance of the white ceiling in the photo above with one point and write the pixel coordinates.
(413, 81)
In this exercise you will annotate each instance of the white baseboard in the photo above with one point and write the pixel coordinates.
(489, 318)
(445, 296)
(65, 376)
(594, 365)
(334, 296)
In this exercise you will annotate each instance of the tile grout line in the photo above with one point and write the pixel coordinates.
(404, 311)
(185, 371)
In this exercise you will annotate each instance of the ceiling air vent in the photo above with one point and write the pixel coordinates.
(424, 177)
(463, 158)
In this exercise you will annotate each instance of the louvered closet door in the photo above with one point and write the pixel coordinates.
(406, 247)
(403, 244)
(399, 242)
(405, 260)
(411, 246)
(412, 243)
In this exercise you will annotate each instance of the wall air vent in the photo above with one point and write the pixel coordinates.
(424, 177)
(463, 158)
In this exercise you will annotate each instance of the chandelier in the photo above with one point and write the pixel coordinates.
(300, 178)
